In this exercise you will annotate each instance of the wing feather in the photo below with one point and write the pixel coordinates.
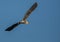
(30, 10)
(12, 27)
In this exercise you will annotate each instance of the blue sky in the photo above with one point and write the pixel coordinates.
(44, 21)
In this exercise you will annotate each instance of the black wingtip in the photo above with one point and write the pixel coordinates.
(12, 27)
(36, 3)
(33, 6)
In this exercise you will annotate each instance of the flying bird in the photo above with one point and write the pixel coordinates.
(24, 20)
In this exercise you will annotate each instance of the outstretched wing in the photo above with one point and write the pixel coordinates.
(30, 10)
(12, 27)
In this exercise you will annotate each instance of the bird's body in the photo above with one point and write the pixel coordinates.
(24, 22)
